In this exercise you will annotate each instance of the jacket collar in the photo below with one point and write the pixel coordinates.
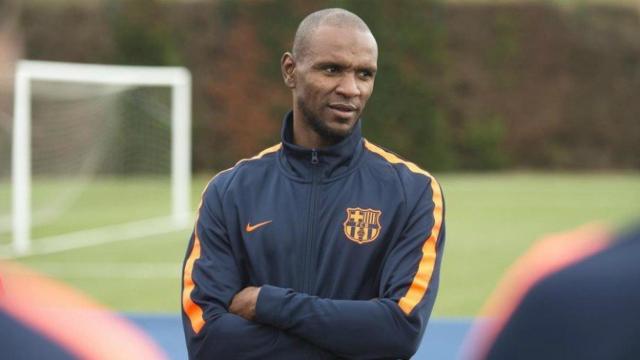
(332, 161)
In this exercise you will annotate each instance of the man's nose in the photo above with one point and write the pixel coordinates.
(348, 86)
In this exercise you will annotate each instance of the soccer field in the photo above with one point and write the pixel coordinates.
(491, 219)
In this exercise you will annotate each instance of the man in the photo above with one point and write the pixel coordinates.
(573, 296)
(325, 245)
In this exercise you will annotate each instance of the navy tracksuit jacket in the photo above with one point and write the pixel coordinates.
(346, 243)
(588, 310)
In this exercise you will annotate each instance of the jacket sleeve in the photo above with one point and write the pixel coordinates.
(390, 326)
(211, 278)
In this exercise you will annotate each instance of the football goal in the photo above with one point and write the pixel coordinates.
(99, 153)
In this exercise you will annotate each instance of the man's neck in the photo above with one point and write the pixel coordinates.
(308, 139)
(304, 136)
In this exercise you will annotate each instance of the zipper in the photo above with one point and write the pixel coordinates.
(311, 223)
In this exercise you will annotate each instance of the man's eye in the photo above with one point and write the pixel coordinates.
(365, 74)
(331, 69)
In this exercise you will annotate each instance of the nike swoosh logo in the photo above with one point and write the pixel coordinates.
(251, 228)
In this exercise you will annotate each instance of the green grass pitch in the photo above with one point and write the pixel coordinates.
(491, 219)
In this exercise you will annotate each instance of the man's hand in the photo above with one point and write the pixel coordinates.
(244, 303)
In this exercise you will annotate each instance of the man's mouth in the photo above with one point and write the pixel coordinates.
(343, 109)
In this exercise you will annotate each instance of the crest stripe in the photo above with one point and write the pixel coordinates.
(194, 311)
(420, 284)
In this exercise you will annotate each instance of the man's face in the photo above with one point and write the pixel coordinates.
(333, 80)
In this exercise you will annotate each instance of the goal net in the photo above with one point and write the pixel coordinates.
(99, 153)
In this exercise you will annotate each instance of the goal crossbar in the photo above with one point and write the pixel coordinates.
(178, 78)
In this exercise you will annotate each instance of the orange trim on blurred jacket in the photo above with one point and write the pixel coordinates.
(70, 319)
(546, 256)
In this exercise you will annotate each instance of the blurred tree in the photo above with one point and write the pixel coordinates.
(460, 85)
(140, 33)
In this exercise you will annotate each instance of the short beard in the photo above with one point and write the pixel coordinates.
(327, 134)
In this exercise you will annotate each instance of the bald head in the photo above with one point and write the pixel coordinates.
(330, 71)
(328, 17)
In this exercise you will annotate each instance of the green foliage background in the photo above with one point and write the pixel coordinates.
(461, 86)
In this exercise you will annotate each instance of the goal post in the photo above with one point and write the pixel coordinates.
(177, 78)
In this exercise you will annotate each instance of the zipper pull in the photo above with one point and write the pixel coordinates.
(314, 157)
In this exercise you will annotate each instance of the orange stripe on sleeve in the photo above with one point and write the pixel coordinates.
(422, 278)
(420, 283)
(194, 311)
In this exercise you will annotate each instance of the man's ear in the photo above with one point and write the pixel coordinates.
(288, 67)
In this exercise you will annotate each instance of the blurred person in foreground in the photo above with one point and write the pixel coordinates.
(572, 296)
(323, 246)
(41, 318)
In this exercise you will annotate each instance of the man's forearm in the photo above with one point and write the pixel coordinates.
(351, 328)
(244, 302)
(232, 337)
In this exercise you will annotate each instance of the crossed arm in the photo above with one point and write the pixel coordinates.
(353, 329)
(272, 322)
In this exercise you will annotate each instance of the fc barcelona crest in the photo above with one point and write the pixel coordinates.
(362, 225)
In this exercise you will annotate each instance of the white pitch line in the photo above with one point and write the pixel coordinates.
(108, 234)
(90, 270)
